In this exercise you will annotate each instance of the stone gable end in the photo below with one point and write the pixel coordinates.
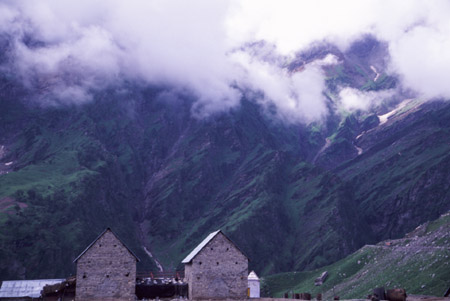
(218, 271)
(106, 271)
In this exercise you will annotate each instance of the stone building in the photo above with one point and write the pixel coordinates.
(216, 269)
(106, 270)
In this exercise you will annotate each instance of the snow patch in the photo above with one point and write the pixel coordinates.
(327, 144)
(384, 118)
(2, 151)
(158, 264)
(376, 72)
(360, 135)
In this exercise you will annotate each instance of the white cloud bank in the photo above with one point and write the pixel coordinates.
(354, 99)
(196, 46)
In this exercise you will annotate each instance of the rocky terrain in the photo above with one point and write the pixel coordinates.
(419, 263)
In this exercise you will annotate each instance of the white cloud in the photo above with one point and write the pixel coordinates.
(352, 99)
(297, 96)
(422, 58)
(417, 32)
(197, 46)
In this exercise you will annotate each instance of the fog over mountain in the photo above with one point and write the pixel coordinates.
(303, 129)
(71, 48)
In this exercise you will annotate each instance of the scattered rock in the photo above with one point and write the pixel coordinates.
(397, 294)
(321, 279)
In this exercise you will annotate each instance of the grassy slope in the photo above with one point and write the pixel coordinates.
(419, 263)
(402, 170)
(250, 177)
(65, 187)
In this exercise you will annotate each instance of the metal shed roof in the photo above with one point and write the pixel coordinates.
(194, 252)
(25, 288)
(200, 247)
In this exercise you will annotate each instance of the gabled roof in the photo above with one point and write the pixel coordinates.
(25, 288)
(253, 276)
(210, 237)
(106, 230)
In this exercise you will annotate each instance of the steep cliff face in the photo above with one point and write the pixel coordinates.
(292, 196)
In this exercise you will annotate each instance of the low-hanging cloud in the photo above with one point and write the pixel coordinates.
(69, 49)
(297, 95)
(352, 99)
(417, 32)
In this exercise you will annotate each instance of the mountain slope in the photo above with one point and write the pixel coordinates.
(419, 262)
(292, 196)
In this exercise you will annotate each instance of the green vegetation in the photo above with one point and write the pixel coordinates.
(164, 180)
(56, 194)
(420, 265)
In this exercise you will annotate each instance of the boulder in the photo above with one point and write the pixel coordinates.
(396, 294)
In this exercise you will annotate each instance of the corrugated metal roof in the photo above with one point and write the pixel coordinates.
(204, 243)
(25, 288)
(200, 247)
(101, 234)
(253, 276)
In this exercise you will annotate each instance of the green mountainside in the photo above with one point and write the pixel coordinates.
(292, 196)
(419, 263)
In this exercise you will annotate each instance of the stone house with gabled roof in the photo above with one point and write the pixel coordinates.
(216, 269)
(106, 270)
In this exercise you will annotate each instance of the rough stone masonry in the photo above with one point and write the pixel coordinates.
(218, 271)
(106, 270)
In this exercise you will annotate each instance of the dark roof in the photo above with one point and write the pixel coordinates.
(200, 246)
(107, 229)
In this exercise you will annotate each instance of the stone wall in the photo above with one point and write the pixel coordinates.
(107, 271)
(219, 271)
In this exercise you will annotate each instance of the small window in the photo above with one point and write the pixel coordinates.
(107, 276)
(127, 274)
(236, 262)
(217, 263)
(84, 276)
(212, 248)
(115, 246)
(199, 262)
(228, 249)
(99, 245)
(198, 278)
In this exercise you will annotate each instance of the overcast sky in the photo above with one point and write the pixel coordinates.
(196, 46)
